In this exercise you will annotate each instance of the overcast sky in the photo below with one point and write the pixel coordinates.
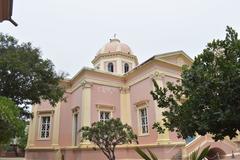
(70, 32)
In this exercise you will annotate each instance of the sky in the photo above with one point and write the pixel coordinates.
(70, 32)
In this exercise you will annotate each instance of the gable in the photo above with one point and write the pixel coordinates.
(178, 58)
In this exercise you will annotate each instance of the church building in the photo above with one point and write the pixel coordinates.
(116, 87)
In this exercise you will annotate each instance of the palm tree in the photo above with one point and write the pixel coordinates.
(199, 156)
(145, 156)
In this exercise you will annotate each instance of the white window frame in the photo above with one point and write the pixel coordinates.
(114, 62)
(129, 65)
(40, 126)
(146, 126)
(111, 66)
(142, 105)
(75, 111)
(104, 111)
(104, 108)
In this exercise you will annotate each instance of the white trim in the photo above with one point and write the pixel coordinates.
(75, 137)
(104, 111)
(140, 132)
(106, 63)
(130, 66)
(40, 126)
(195, 139)
(104, 108)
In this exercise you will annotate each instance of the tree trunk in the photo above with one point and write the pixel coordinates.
(112, 155)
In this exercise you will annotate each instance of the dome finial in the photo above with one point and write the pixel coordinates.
(114, 39)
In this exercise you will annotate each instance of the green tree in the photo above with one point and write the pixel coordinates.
(25, 79)
(200, 156)
(11, 125)
(209, 93)
(145, 156)
(108, 134)
(22, 139)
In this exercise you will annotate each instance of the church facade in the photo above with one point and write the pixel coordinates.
(117, 87)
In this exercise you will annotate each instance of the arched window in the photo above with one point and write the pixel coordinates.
(110, 67)
(126, 67)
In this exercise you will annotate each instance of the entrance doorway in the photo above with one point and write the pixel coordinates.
(215, 154)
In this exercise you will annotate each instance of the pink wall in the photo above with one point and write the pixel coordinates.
(127, 153)
(162, 152)
(44, 106)
(104, 95)
(65, 128)
(139, 92)
(66, 117)
(38, 154)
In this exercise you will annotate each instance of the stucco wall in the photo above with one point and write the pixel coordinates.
(104, 95)
(66, 117)
(139, 92)
(42, 108)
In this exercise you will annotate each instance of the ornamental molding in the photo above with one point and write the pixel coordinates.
(90, 146)
(142, 103)
(85, 84)
(76, 109)
(158, 75)
(50, 111)
(113, 55)
(124, 90)
(105, 107)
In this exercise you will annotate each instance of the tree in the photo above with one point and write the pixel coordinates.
(145, 156)
(209, 92)
(11, 125)
(200, 156)
(25, 77)
(108, 134)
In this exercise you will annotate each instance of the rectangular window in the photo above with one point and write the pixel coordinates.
(104, 115)
(143, 120)
(45, 127)
(75, 128)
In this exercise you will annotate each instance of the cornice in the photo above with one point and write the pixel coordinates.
(107, 55)
(80, 79)
(91, 146)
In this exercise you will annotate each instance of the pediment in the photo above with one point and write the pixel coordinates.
(178, 58)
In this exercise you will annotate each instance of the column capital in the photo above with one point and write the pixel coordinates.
(85, 84)
(124, 90)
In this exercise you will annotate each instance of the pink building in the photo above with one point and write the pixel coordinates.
(116, 87)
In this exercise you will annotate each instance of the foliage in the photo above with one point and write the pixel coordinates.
(22, 139)
(108, 134)
(208, 92)
(25, 77)
(199, 156)
(11, 125)
(145, 156)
